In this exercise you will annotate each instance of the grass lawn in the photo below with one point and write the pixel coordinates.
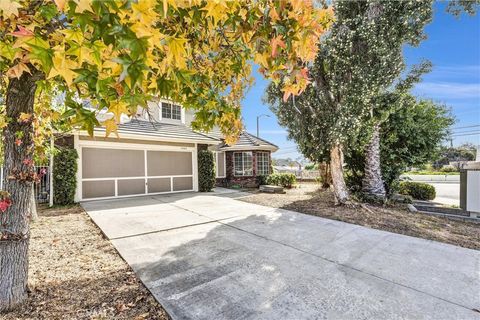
(310, 199)
(75, 273)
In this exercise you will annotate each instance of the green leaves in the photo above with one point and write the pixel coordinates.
(7, 51)
(48, 11)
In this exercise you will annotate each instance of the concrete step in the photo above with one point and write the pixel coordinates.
(271, 189)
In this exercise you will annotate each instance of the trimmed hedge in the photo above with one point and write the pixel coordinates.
(206, 171)
(64, 176)
(417, 190)
(286, 180)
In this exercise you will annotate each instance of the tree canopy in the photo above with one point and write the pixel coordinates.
(119, 54)
(410, 136)
(360, 59)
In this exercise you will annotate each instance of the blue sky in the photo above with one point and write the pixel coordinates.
(453, 46)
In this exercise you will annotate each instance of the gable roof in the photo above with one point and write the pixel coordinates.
(163, 130)
(247, 141)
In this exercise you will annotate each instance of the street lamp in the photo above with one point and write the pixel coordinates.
(258, 117)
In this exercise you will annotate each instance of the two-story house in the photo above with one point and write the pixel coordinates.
(156, 152)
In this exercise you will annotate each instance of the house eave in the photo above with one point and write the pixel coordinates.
(149, 137)
(248, 148)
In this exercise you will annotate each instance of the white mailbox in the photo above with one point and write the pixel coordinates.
(470, 189)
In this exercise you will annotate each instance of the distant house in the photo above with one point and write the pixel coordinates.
(157, 153)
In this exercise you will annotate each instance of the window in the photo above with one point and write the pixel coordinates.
(171, 111)
(220, 157)
(263, 163)
(243, 163)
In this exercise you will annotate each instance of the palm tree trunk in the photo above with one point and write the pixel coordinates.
(19, 173)
(336, 166)
(372, 183)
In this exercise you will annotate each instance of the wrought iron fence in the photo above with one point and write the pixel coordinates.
(41, 188)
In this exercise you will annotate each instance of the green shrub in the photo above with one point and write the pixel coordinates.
(417, 190)
(286, 180)
(64, 176)
(206, 171)
(448, 169)
(262, 179)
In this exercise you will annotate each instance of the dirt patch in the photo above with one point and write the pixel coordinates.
(309, 198)
(76, 274)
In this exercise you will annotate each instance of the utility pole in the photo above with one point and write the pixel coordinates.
(258, 127)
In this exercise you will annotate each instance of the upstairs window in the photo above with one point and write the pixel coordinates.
(171, 111)
(243, 163)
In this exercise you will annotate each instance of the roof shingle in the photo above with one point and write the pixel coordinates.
(162, 130)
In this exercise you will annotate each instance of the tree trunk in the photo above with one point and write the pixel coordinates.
(33, 204)
(325, 174)
(336, 166)
(372, 183)
(19, 173)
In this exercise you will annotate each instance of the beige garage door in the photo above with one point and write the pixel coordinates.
(109, 173)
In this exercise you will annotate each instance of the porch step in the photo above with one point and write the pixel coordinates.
(271, 189)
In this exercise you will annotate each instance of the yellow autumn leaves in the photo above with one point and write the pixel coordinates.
(197, 52)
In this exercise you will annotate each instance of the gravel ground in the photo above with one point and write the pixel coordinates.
(310, 199)
(75, 273)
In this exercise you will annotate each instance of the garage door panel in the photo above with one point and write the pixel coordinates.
(169, 163)
(159, 185)
(115, 172)
(131, 187)
(182, 183)
(111, 163)
(98, 189)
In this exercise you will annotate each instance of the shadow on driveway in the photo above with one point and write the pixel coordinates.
(247, 261)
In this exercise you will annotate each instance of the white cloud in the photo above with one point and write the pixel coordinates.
(448, 90)
(466, 70)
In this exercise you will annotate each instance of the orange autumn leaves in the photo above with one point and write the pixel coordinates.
(196, 52)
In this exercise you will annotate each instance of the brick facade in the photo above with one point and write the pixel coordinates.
(243, 181)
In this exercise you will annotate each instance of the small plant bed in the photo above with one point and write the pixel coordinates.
(76, 274)
(310, 199)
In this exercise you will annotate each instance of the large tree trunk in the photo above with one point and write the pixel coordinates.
(19, 173)
(336, 166)
(372, 183)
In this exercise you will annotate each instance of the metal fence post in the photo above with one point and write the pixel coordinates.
(50, 171)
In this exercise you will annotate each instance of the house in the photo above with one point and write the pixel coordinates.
(156, 153)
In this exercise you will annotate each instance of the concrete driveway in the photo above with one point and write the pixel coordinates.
(209, 256)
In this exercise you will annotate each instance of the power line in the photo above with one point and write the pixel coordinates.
(467, 134)
(468, 131)
(474, 126)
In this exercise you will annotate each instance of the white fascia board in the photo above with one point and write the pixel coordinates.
(143, 136)
(246, 148)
